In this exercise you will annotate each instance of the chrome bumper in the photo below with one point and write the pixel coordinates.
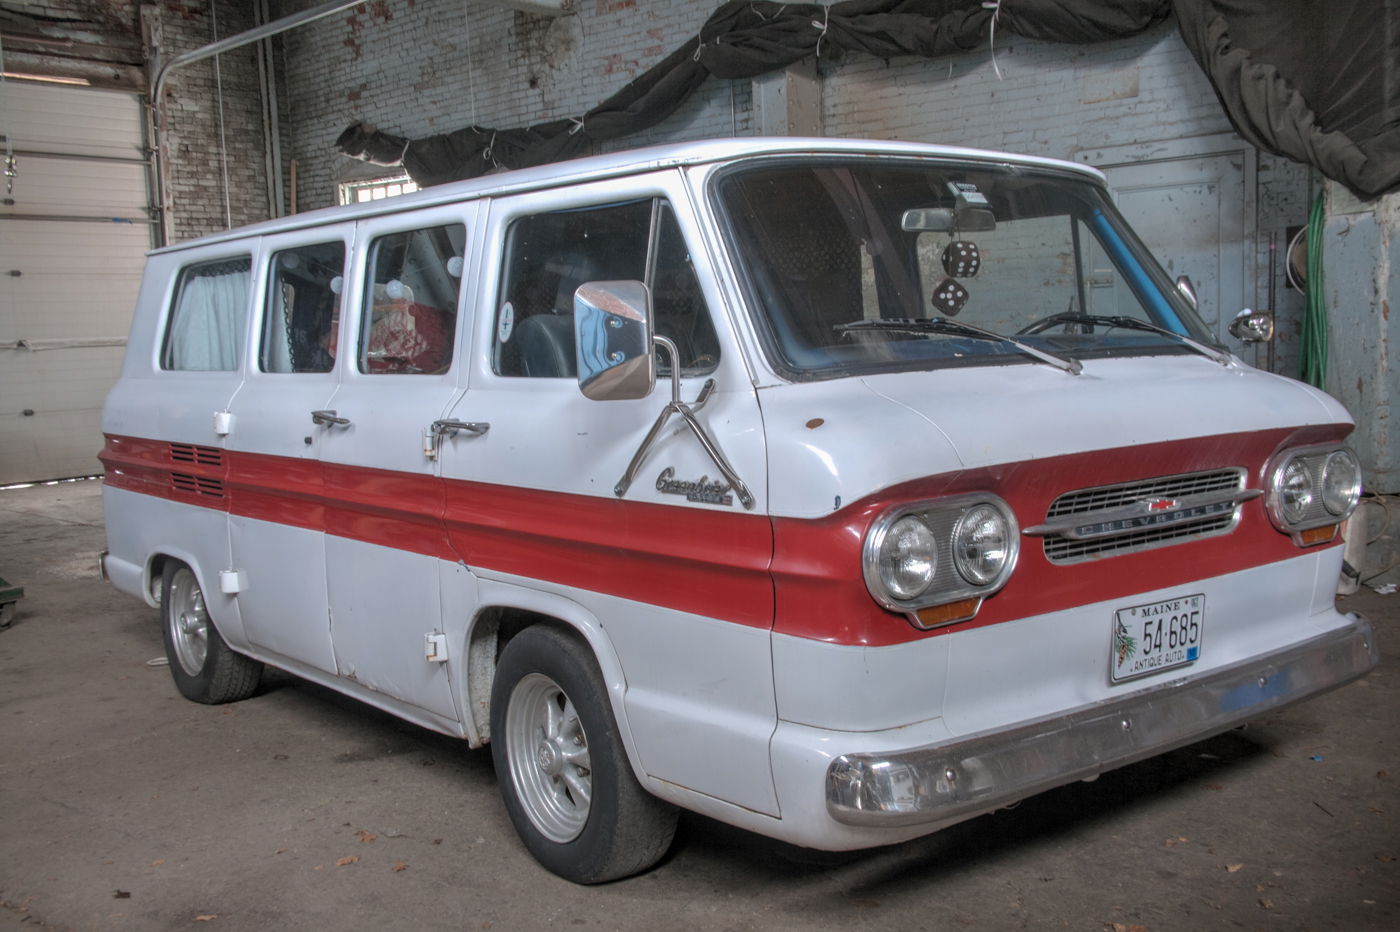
(951, 782)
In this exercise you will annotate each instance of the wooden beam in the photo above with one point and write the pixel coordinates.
(106, 74)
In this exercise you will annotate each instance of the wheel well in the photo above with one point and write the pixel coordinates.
(154, 575)
(490, 633)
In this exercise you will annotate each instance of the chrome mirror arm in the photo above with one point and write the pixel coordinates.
(687, 415)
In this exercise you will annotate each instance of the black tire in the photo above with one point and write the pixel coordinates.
(571, 794)
(204, 667)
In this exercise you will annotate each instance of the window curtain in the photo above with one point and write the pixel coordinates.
(207, 332)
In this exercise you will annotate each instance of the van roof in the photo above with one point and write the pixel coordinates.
(616, 164)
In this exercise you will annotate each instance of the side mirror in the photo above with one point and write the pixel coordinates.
(1252, 326)
(1188, 291)
(612, 339)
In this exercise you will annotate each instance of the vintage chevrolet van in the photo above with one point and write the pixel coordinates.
(838, 490)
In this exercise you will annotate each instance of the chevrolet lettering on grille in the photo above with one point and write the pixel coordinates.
(1143, 515)
(1151, 519)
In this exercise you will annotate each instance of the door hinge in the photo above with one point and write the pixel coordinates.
(435, 648)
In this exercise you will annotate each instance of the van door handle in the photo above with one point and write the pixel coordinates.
(329, 419)
(447, 428)
(432, 437)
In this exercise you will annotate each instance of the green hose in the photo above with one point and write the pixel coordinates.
(1313, 346)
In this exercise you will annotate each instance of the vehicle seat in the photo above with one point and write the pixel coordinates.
(545, 343)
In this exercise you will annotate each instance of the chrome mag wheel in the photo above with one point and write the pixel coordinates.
(549, 760)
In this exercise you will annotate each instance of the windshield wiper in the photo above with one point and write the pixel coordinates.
(1127, 323)
(957, 328)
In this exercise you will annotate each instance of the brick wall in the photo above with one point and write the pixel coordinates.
(1052, 100)
(215, 137)
(418, 67)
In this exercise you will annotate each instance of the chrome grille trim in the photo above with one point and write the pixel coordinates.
(1107, 503)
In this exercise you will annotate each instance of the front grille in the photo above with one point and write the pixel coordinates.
(1089, 502)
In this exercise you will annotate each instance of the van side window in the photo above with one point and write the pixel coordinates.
(411, 298)
(205, 332)
(549, 255)
(303, 309)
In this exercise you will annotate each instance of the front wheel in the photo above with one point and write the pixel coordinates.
(204, 667)
(563, 771)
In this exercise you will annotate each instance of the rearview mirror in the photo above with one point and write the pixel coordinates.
(612, 339)
(947, 220)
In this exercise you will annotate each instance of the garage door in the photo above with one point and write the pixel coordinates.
(74, 229)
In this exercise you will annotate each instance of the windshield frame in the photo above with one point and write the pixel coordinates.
(1152, 285)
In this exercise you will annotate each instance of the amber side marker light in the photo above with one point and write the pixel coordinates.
(936, 615)
(1317, 535)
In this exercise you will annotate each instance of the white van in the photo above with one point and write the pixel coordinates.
(837, 490)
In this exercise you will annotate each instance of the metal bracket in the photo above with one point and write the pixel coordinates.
(687, 414)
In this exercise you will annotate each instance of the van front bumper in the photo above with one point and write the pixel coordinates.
(950, 782)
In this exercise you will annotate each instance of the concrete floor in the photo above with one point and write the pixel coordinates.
(122, 806)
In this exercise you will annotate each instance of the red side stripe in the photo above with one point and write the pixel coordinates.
(707, 562)
(803, 577)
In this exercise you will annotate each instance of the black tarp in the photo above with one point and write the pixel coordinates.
(1318, 82)
(1313, 81)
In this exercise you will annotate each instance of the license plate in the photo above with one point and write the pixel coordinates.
(1157, 636)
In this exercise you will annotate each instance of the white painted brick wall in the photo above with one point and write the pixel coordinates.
(425, 67)
(1051, 100)
(200, 156)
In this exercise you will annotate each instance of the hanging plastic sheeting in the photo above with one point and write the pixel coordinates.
(1317, 81)
(1311, 82)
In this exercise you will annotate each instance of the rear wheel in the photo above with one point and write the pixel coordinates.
(563, 771)
(204, 667)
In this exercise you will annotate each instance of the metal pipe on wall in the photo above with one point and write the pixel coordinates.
(272, 128)
(267, 75)
(265, 31)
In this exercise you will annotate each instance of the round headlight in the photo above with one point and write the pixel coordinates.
(1295, 492)
(908, 558)
(1341, 483)
(981, 544)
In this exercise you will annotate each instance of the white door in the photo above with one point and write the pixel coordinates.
(74, 230)
(1192, 202)
(533, 502)
(278, 530)
(401, 370)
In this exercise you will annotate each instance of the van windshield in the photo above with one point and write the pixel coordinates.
(867, 265)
